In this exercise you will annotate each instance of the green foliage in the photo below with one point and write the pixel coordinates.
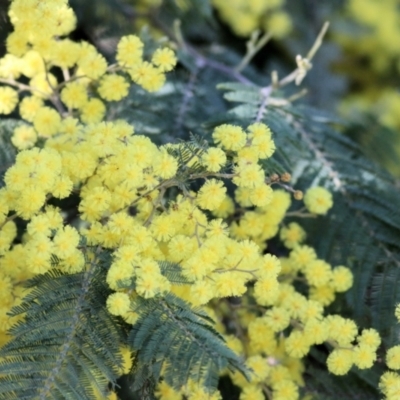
(66, 345)
(169, 333)
(173, 272)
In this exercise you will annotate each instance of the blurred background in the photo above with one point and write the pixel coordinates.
(356, 72)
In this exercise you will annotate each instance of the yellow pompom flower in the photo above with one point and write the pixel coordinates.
(278, 375)
(226, 208)
(92, 111)
(47, 121)
(165, 166)
(10, 67)
(95, 203)
(247, 153)
(64, 53)
(260, 368)
(40, 245)
(8, 100)
(389, 384)
(70, 126)
(29, 106)
(162, 227)
(39, 263)
(261, 195)
(318, 273)
(129, 50)
(268, 265)
(211, 195)
(286, 390)
(118, 303)
(259, 130)
(292, 235)
(297, 345)
(229, 284)
(32, 64)
(30, 202)
(66, 241)
(73, 263)
(311, 310)
(74, 95)
(340, 361)
(113, 87)
(364, 356)
(39, 225)
(24, 137)
(43, 45)
(343, 330)
(393, 357)
(262, 338)
(369, 337)
(248, 175)
(277, 318)
(213, 159)
(342, 279)
(265, 147)
(316, 331)
(302, 256)
(252, 392)
(180, 247)
(149, 285)
(318, 200)
(230, 137)
(147, 76)
(323, 294)
(201, 292)
(92, 64)
(164, 59)
(119, 274)
(266, 290)
(17, 43)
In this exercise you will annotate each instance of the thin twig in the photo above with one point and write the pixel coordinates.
(252, 49)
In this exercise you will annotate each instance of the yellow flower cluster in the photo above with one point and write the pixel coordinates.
(245, 16)
(35, 47)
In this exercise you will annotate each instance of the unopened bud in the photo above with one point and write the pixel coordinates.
(286, 177)
(298, 194)
(274, 177)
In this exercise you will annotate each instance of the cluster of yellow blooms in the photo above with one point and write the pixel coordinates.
(113, 170)
(36, 47)
(245, 16)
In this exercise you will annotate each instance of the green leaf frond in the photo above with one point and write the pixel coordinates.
(179, 343)
(66, 343)
(173, 272)
(187, 154)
